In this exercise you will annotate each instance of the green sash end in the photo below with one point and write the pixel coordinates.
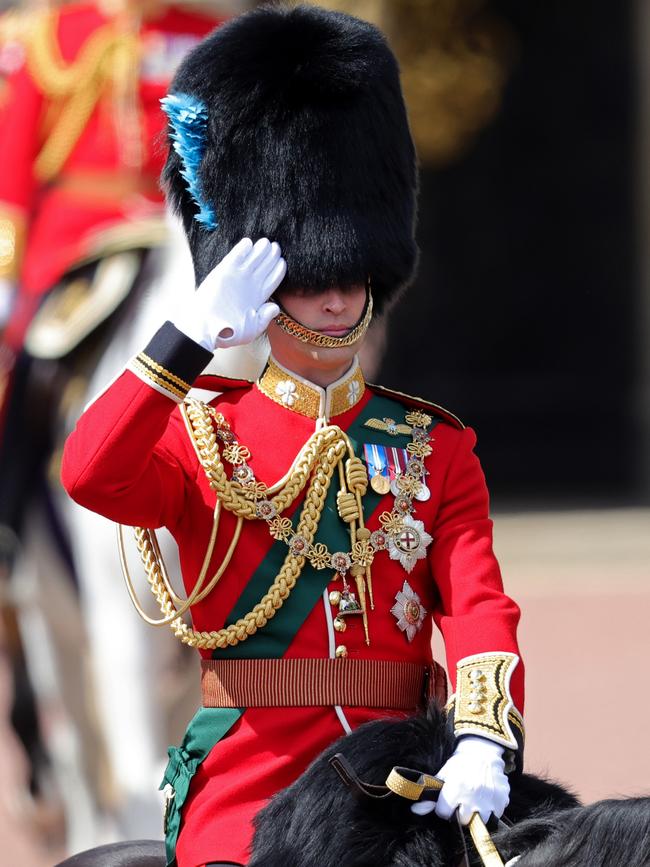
(208, 727)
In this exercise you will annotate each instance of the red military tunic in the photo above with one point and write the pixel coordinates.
(81, 138)
(131, 458)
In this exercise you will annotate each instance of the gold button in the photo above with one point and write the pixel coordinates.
(341, 651)
(335, 597)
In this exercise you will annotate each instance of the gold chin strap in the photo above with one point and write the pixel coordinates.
(325, 341)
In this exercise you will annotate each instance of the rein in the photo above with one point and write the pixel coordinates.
(417, 786)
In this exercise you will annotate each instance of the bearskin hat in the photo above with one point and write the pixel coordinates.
(289, 123)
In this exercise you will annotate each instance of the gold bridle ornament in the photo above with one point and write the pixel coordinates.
(325, 341)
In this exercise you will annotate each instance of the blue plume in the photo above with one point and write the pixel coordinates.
(188, 117)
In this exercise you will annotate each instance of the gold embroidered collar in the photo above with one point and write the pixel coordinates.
(301, 396)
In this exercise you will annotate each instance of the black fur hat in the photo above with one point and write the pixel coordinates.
(305, 141)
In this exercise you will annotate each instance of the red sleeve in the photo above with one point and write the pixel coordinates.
(473, 614)
(20, 118)
(129, 457)
(20, 115)
(125, 458)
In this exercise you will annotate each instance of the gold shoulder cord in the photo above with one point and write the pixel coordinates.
(317, 460)
(76, 87)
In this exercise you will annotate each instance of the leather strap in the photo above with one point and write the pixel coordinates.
(414, 786)
(411, 784)
(483, 842)
(319, 682)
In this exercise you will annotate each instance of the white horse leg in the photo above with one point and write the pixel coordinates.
(55, 650)
(123, 661)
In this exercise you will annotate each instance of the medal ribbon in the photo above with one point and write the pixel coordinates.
(376, 460)
(397, 460)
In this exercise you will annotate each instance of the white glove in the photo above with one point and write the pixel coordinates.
(231, 306)
(474, 781)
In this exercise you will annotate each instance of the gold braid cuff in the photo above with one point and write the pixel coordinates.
(483, 705)
(315, 338)
(151, 371)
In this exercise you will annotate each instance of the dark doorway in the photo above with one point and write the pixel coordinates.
(522, 319)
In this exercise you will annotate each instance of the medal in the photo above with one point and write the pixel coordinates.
(380, 484)
(377, 463)
(423, 494)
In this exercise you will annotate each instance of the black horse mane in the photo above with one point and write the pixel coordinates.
(318, 821)
(609, 833)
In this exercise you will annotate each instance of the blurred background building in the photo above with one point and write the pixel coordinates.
(530, 319)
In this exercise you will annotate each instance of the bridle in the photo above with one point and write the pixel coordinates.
(417, 786)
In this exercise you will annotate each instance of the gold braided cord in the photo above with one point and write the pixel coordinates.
(317, 461)
(156, 571)
(52, 74)
(279, 590)
(326, 341)
(356, 476)
(107, 55)
(197, 596)
(346, 504)
(199, 421)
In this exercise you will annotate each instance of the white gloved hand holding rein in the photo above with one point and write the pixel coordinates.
(231, 307)
(474, 782)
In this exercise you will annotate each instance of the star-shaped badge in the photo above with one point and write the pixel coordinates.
(409, 611)
(409, 544)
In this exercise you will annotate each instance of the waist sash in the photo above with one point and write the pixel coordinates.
(234, 683)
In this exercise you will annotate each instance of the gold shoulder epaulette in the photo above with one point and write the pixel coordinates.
(420, 403)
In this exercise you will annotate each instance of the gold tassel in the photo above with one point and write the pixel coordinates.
(361, 591)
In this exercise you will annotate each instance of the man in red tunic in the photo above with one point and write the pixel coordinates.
(324, 525)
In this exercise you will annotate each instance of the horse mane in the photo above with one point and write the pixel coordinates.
(603, 834)
(318, 822)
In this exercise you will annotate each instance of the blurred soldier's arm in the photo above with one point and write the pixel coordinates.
(21, 113)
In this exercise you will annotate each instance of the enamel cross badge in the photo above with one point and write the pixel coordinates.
(410, 543)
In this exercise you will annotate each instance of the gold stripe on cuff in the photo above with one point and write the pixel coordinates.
(160, 381)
